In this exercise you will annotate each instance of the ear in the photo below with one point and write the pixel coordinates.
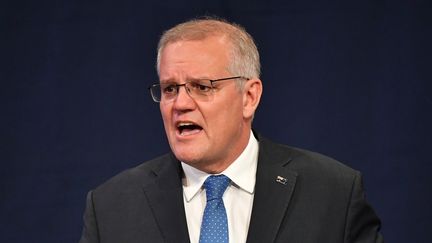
(252, 91)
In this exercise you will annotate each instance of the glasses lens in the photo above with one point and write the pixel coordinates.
(164, 92)
(155, 91)
(201, 90)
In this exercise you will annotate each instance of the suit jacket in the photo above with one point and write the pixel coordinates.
(300, 197)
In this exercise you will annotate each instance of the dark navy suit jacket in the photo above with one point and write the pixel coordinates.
(300, 197)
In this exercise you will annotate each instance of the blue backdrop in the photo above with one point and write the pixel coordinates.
(350, 79)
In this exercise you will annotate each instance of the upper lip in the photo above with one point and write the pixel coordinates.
(184, 124)
(179, 124)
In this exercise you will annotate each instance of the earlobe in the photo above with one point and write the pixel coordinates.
(251, 97)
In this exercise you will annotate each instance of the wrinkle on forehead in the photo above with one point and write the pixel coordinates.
(195, 59)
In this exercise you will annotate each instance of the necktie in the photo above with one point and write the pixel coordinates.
(214, 226)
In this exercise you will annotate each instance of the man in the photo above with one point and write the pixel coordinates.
(208, 92)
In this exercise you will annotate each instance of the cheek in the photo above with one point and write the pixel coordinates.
(233, 107)
(226, 115)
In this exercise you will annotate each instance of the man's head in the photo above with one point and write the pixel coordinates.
(244, 56)
(208, 133)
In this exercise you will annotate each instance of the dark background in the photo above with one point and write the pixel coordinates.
(350, 79)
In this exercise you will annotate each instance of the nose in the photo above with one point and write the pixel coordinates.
(183, 101)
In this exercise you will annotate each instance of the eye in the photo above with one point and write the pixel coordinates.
(200, 87)
(169, 89)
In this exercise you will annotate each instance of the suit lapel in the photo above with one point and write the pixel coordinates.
(165, 196)
(273, 189)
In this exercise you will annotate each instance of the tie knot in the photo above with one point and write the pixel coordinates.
(215, 186)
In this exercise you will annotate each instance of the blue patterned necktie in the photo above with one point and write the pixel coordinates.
(214, 226)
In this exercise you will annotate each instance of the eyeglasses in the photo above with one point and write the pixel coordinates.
(201, 89)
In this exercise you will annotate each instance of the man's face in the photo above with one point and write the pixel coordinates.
(215, 131)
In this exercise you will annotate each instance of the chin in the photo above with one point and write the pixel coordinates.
(187, 155)
(188, 149)
(192, 161)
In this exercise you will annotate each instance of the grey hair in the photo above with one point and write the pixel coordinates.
(244, 56)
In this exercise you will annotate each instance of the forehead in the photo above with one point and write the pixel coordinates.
(189, 56)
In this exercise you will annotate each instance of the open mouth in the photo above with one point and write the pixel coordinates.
(188, 128)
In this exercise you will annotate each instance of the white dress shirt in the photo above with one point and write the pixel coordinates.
(238, 197)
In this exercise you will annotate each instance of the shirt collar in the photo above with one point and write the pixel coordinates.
(242, 172)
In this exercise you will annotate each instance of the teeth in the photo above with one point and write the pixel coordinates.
(185, 124)
(188, 128)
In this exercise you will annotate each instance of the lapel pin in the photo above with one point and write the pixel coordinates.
(281, 180)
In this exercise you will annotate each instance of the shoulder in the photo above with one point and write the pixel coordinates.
(134, 178)
(305, 162)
